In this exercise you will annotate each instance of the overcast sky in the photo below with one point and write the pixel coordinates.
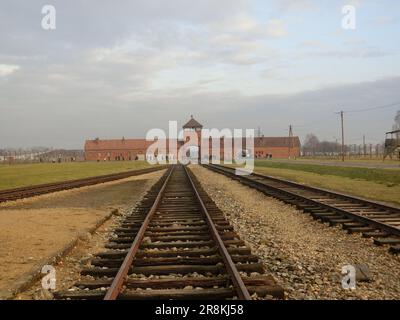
(120, 68)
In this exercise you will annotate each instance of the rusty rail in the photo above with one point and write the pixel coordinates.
(31, 191)
(175, 242)
(372, 219)
(237, 281)
(119, 279)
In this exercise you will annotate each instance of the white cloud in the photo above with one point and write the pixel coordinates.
(296, 5)
(118, 69)
(312, 44)
(246, 27)
(383, 20)
(276, 28)
(7, 69)
(356, 3)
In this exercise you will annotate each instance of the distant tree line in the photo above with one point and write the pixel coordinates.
(22, 151)
(312, 146)
(39, 154)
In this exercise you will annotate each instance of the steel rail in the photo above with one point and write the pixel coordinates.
(371, 222)
(322, 190)
(119, 279)
(237, 280)
(26, 192)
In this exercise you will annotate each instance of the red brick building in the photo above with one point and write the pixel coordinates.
(135, 149)
(277, 147)
(115, 149)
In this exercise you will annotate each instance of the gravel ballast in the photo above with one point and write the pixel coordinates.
(36, 229)
(305, 256)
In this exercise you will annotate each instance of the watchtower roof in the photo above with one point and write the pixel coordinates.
(192, 124)
(393, 132)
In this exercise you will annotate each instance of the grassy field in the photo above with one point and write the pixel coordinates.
(375, 184)
(20, 175)
(389, 177)
(352, 159)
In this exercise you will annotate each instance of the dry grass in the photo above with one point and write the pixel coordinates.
(372, 160)
(20, 175)
(390, 177)
(358, 187)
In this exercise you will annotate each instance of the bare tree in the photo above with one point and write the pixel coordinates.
(311, 143)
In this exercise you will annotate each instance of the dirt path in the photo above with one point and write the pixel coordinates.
(36, 228)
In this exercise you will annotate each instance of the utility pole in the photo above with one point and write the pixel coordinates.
(290, 139)
(341, 117)
(364, 146)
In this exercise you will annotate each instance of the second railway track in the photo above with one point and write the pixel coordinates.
(176, 244)
(36, 190)
(376, 220)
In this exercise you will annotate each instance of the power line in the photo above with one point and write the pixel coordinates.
(359, 110)
(375, 108)
(319, 121)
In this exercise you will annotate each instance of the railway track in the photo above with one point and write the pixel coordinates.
(375, 220)
(31, 191)
(176, 244)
